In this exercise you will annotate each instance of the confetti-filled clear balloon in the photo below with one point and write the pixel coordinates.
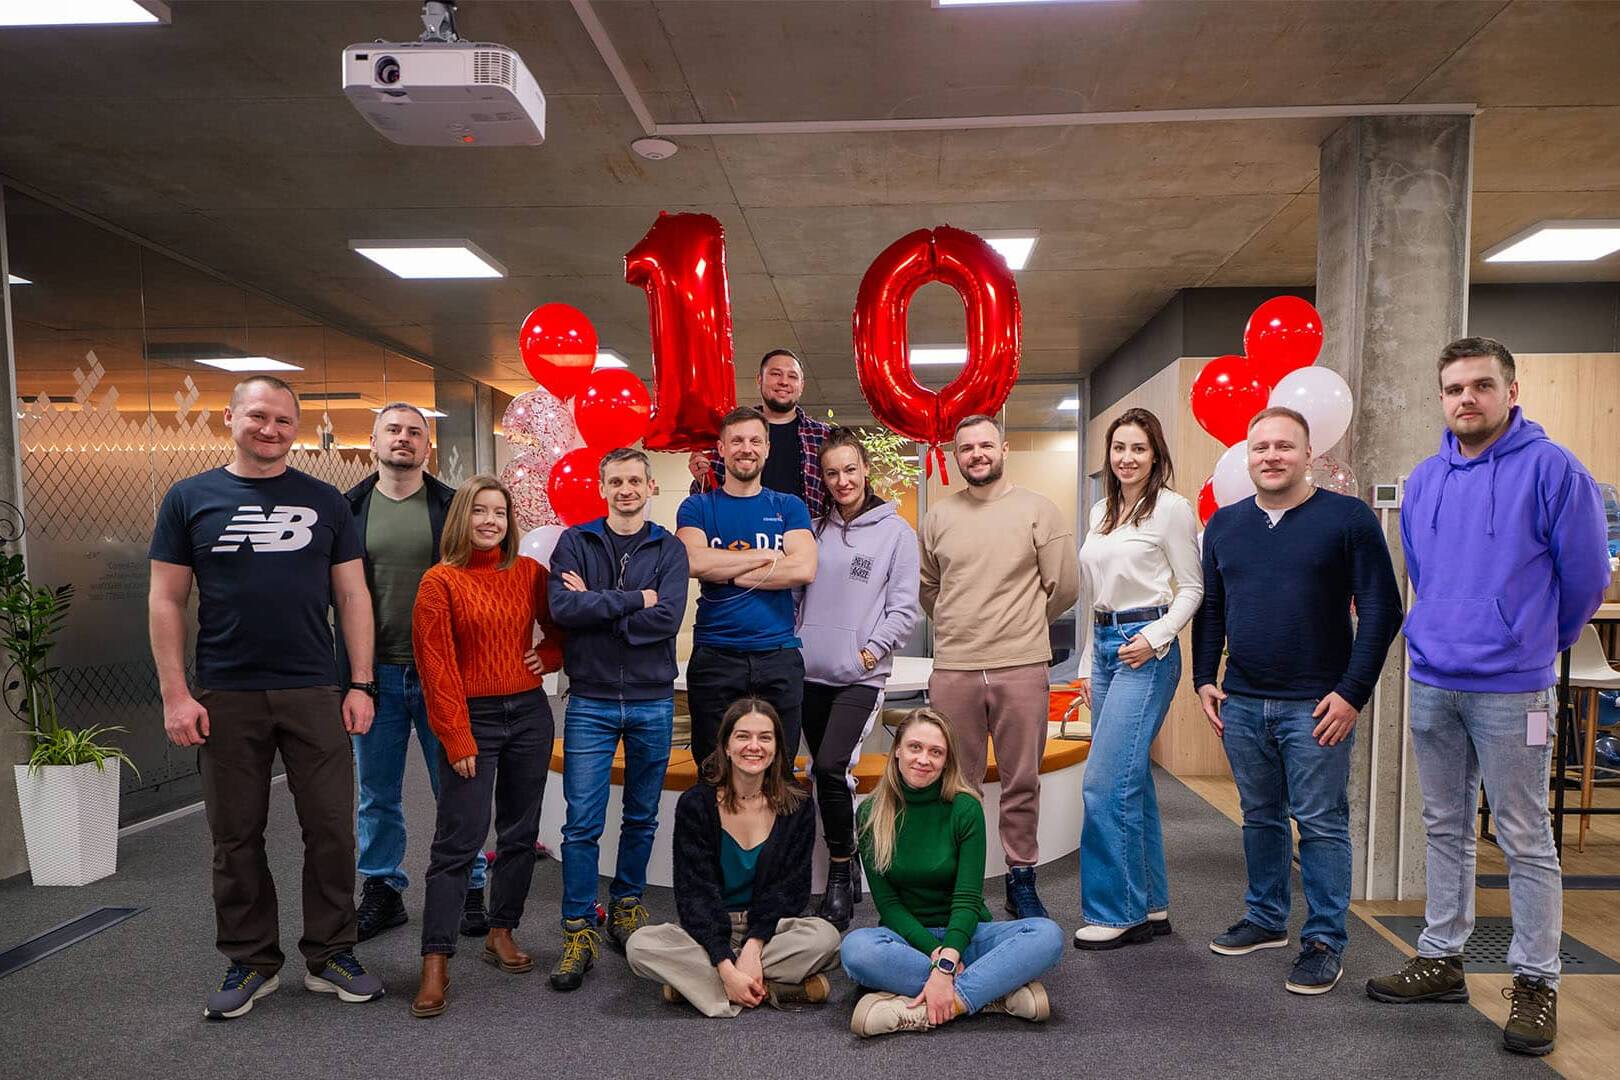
(525, 476)
(1330, 473)
(538, 420)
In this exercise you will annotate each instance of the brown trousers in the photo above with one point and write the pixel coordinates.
(246, 729)
(1008, 705)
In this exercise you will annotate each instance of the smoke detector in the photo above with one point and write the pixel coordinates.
(653, 148)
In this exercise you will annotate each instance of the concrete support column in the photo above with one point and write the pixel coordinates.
(1392, 287)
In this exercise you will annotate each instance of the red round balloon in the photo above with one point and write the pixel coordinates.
(558, 345)
(1283, 334)
(613, 410)
(1206, 501)
(1225, 397)
(981, 278)
(574, 488)
(681, 263)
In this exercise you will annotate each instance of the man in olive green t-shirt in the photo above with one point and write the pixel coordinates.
(399, 511)
(998, 567)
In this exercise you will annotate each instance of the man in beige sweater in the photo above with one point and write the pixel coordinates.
(998, 566)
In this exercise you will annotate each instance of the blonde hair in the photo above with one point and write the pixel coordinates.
(455, 543)
(883, 813)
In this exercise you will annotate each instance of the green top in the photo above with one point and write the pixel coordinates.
(737, 872)
(399, 549)
(937, 877)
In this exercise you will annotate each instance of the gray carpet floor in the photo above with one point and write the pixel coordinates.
(127, 1003)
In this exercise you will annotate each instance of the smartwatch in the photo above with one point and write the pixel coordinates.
(368, 688)
(946, 964)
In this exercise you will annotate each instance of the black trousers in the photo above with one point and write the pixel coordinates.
(717, 677)
(835, 722)
(514, 736)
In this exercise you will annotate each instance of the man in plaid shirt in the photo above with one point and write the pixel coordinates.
(794, 464)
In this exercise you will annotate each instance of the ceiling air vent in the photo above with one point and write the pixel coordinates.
(492, 67)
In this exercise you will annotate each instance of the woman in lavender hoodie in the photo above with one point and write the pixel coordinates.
(860, 608)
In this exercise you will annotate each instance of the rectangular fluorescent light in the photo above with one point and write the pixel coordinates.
(1069, 404)
(992, 3)
(938, 355)
(431, 414)
(1015, 247)
(13, 279)
(83, 12)
(1559, 241)
(607, 358)
(420, 259)
(240, 364)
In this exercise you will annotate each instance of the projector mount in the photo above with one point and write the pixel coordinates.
(439, 18)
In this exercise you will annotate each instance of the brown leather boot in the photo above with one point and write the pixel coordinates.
(500, 950)
(435, 981)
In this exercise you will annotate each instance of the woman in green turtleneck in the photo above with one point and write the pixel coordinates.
(936, 955)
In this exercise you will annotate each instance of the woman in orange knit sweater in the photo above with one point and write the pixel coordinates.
(472, 631)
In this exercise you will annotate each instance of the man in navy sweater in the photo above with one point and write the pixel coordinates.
(1280, 573)
(619, 585)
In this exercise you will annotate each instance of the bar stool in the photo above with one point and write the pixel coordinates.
(1589, 672)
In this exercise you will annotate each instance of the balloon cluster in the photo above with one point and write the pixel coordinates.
(1277, 368)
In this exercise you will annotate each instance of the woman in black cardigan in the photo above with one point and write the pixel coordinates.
(743, 837)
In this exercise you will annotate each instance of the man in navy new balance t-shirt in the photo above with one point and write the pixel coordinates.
(750, 547)
(1280, 573)
(271, 549)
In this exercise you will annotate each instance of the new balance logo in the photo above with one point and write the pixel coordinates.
(286, 528)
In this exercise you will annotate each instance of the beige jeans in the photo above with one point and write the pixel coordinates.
(665, 953)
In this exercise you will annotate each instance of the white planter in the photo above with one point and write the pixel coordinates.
(70, 822)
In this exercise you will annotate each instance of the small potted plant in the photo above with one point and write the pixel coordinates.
(68, 790)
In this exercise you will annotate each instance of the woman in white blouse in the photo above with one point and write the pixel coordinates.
(1141, 570)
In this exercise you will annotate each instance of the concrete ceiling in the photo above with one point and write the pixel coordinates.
(224, 137)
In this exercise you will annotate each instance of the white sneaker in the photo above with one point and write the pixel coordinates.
(883, 1013)
(1094, 937)
(1028, 1002)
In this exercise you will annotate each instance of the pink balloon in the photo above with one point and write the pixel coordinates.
(525, 476)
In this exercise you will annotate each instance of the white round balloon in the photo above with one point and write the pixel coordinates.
(1322, 398)
(1231, 481)
(539, 543)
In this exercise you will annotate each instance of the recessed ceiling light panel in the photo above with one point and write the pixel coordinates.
(1015, 247)
(13, 279)
(938, 355)
(607, 358)
(244, 364)
(83, 13)
(1559, 241)
(429, 259)
(1069, 404)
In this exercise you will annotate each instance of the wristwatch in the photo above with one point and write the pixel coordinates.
(369, 688)
(945, 964)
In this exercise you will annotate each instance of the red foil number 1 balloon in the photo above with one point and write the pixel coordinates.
(980, 276)
(681, 263)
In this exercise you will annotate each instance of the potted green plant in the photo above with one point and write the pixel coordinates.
(68, 791)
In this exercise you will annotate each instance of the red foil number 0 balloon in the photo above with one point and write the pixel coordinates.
(981, 278)
(681, 263)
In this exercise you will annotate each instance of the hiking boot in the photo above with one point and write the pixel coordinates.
(582, 947)
(1533, 1020)
(1028, 1002)
(474, 918)
(342, 975)
(625, 917)
(430, 995)
(502, 951)
(1424, 978)
(813, 991)
(1244, 937)
(1023, 902)
(1316, 970)
(381, 908)
(883, 1013)
(237, 992)
(838, 902)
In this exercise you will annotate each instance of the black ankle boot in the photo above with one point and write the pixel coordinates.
(838, 903)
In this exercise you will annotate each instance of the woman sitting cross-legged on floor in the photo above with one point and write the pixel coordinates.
(743, 837)
(937, 954)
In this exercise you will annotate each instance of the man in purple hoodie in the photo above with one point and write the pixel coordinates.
(1504, 537)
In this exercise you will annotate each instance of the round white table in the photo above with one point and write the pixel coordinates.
(910, 675)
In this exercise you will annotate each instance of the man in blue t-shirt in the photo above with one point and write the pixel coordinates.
(750, 547)
(271, 550)
(1281, 571)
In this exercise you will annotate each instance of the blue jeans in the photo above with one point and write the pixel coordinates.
(1122, 875)
(1281, 771)
(592, 728)
(1001, 957)
(379, 760)
(1459, 739)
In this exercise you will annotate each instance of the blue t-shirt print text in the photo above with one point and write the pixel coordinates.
(728, 617)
